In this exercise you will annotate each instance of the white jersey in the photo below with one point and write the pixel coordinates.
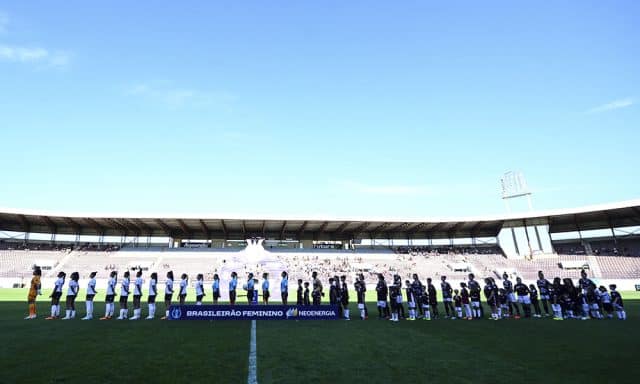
(124, 290)
(183, 287)
(153, 290)
(605, 297)
(111, 287)
(199, 288)
(137, 290)
(91, 287)
(58, 286)
(168, 287)
(72, 290)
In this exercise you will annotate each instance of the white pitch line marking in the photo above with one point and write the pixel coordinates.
(253, 359)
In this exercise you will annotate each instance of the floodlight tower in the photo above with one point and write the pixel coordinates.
(514, 186)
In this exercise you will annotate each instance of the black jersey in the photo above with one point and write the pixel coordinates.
(585, 283)
(360, 288)
(457, 300)
(592, 297)
(306, 297)
(382, 290)
(556, 291)
(544, 286)
(446, 290)
(533, 293)
(411, 298)
(431, 291)
(464, 296)
(416, 287)
(474, 290)
(521, 289)
(616, 298)
(424, 296)
(333, 294)
(488, 294)
(394, 292)
(300, 295)
(507, 285)
(344, 293)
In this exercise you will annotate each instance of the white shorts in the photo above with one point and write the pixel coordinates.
(411, 304)
(448, 299)
(399, 299)
(360, 306)
(382, 304)
(475, 304)
(544, 297)
(524, 300)
(511, 298)
(595, 306)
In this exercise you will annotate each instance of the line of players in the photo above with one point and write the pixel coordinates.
(565, 300)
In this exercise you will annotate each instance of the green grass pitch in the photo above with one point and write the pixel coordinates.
(372, 351)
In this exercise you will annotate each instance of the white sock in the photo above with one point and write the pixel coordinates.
(67, 313)
(346, 313)
(427, 314)
(166, 313)
(91, 308)
(58, 310)
(362, 313)
(467, 310)
(73, 314)
(459, 310)
(53, 311)
(198, 302)
(499, 312)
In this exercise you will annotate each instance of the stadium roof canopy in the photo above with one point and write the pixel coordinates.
(623, 214)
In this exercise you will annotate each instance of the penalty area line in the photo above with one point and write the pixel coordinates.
(253, 359)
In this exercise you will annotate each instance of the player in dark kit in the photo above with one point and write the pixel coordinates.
(433, 298)
(522, 292)
(306, 294)
(411, 300)
(317, 293)
(457, 303)
(510, 297)
(618, 304)
(333, 293)
(299, 293)
(360, 288)
(465, 300)
(474, 295)
(556, 292)
(345, 296)
(416, 286)
(491, 298)
(544, 286)
(394, 292)
(382, 291)
(447, 297)
(533, 294)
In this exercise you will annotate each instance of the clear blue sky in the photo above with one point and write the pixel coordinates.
(317, 108)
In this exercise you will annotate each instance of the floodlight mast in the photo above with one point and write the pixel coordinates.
(514, 185)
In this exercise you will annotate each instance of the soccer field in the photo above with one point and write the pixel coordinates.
(374, 351)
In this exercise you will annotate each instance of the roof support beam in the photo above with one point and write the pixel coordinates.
(26, 225)
(358, 230)
(244, 230)
(164, 227)
(184, 228)
(284, 225)
(342, 226)
(94, 224)
(205, 229)
(52, 226)
(139, 223)
(224, 229)
(301, 229)
(122, 228)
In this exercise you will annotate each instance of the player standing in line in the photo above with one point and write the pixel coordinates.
(34, 291)
(168, 294)
(491, 298)
(382, 291)
(199, 288)
(360, 288)
(510, 296)
(317, 293)
(411, 300)
(265, 288)
(424, 299)
(333, 294)
(522, 292)
(617, 302)
(72, 293)
(91, 293)
(338, 294)
(544, 286)
(556, 292)
(249, 286)
(394, 292)
(137, 296)
(233, 284)
(465, 299)
(344, 294)
(503, 306)
(55, 296)
(153, 292)
(592, 301)
(447, 297)
(364, 295)
(124, 297)
(533, 295)
(299, 293)
(571, 297)
(605, 297)
(585, 282)
(416, 285)
(306, 300)
(474, 295)
(184, 283)
(110, 295)
(284, 287)
(433, 298)
(215, 287)
(457, 304)
(584, 305)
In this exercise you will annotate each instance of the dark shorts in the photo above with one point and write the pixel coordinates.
(345, 301)
(284, 295)
(71, 298)
(89, 297)
(199, 297)
(216, 294)
(265, 294)
(151, 299)
(232, 296)
(182, 297)
(167, 297)
(607, 307)
(136, 299)
(433, 302)
(124, 299)
(56, 295)
(109, 298)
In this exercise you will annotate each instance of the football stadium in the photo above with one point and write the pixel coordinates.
(319, 192)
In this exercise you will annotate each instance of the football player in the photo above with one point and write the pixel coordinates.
(72, 293)
(124, 296)
(91, 293)
(153, 292)
(137, 296)
(199, 288)
(110, 295)
(168, 294)
(55, 296)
